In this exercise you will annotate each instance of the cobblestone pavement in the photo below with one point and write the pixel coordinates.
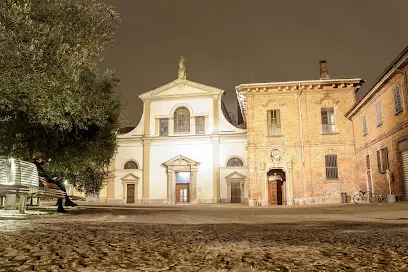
(208, 238)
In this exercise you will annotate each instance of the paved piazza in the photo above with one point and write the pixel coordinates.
(368, 237)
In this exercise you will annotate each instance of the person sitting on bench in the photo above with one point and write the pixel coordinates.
(55, 183)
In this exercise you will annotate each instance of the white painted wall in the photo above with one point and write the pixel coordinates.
(232, 146)
(128, 150)
(163, 103)
(166, 108)
(200, 151)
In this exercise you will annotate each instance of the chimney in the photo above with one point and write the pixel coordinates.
(324, 71)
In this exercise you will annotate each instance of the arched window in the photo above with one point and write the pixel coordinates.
(181, 120)
(131, 165)
(235, 162)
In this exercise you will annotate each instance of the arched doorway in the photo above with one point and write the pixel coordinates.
(276, 179)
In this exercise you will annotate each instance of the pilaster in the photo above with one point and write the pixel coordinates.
(147, 117)
(171, 126)
(216, 110)
(146, 169)
(289, 184)
(216, 168)
(193, 185)
(251, 176)
(170, 189)
(192, 124)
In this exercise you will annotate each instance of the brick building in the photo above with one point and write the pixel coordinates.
(300, 144)
(296, 142)
(380, 122)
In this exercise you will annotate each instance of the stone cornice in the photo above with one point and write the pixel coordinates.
(295, 85)
(209, 137)
(291, 87)
(381, 82)
(383, 136)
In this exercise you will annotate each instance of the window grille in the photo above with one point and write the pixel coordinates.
(130, 165)
(164, 126)
(331, 167)
(200, 124)
(235, 162)
(182, 120)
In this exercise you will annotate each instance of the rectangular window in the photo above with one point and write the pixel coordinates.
(328, 121)
(365, 129)
(274, 123)
(382, 160)
(397, 99)
(164, 126)
(332, 170)
(368, 165)
(378, 114)
(200, 124)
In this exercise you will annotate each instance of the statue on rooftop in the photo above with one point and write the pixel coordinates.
(182, 69)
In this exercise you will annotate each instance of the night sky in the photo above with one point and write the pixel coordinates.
(230, 42)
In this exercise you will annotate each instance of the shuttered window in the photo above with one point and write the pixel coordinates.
(274, 123)
(382, 160)
(328, 121)
(332, 170)
(378, 114)
(365, 129)
(200, 124)
(397, 99)
(164, 126)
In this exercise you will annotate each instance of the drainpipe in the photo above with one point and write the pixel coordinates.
(405, 83)
(301, 140)
(301, 124)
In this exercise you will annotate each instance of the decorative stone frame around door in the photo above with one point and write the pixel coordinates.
(181, 164)
(235, 177)
(130, 179)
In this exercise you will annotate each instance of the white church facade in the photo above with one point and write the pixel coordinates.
(184, 150)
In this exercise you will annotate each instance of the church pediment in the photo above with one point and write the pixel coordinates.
(181, 87)
(235, 175)
(130, 177)
(181, 161)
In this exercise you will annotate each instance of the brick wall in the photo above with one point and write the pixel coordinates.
(388, 134)
(309, 179)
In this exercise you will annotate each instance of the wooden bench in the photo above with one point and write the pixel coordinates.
(20, 179)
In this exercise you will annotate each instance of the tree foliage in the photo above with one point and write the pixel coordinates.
(53, 98)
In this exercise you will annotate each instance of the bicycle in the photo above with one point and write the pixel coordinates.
(363, 195)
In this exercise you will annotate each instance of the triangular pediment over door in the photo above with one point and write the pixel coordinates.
(180, 160)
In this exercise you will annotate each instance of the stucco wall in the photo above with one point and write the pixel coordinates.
(199, 151)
